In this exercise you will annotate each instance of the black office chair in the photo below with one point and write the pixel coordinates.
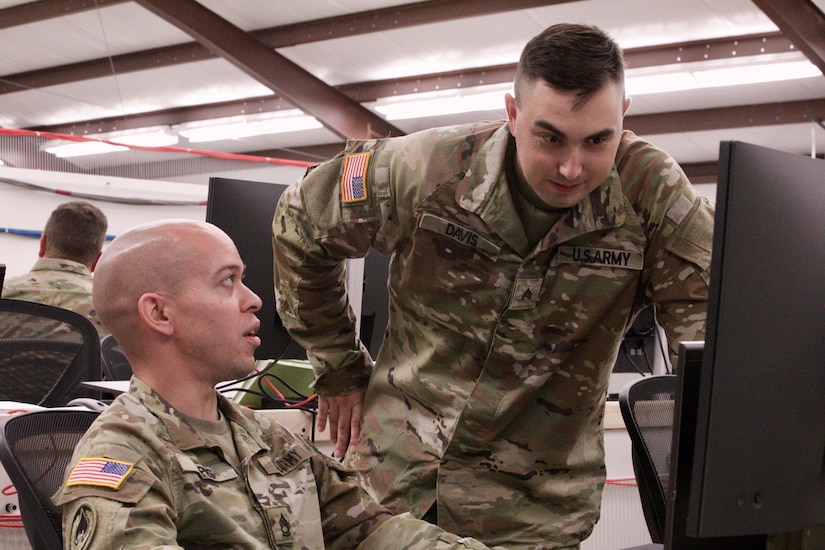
(115, 364)
(35, 449)
(647, 409)
(45, 352)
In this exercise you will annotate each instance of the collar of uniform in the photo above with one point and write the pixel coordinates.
(182, 434)
(484, 191)
(58, 264)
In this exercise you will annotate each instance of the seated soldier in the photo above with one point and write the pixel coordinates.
(174, 464)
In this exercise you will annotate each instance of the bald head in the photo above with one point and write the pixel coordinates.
(154, 257)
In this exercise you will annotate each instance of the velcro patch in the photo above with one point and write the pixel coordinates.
(287, 462)
(526, 293)
(83, 528)
(101, 472)
(458, 233)
(354, 178)
(583, 255)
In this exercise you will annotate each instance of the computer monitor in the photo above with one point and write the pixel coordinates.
(754, 462)
(244, 210)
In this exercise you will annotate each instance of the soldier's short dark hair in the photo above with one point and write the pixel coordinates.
(571, 57)
(76, 231)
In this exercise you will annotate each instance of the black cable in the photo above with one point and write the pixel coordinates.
(282, 381)
(633, 363)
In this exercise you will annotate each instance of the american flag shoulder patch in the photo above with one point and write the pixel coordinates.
(354, 176)
(103, 472)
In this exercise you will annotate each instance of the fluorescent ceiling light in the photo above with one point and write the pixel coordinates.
(487, 98)
(714, 78)
(248, 128)
(84, 148)
(158, 138)
(109, 143)
(491, 98)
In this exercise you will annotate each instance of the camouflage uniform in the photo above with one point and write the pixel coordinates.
(251, 484)
(57, 282)
(488, 393)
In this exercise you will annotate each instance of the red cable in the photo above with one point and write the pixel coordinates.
(299, 404)
(623, 481)
(13, 521)
(202, 152)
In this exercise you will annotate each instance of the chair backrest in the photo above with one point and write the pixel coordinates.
(35, 449)
(647, 409)
(115, 364)
(45, 352)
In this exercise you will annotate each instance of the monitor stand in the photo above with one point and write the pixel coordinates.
(678, 491)
(684, 435)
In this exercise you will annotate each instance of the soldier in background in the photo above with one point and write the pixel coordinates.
(70, 245)
(522, 250)
(174, 464)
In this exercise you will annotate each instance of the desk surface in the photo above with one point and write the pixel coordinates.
(298, 421)
(112, 386)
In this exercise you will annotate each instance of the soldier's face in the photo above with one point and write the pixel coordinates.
(563, 152)
(216, 325)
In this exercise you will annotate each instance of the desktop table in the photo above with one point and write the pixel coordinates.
(297, 420)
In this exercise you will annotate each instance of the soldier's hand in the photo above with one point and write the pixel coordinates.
(344, 413)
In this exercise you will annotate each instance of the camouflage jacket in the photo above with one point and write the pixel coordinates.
(144, 477)
(487, 395)
(61, 283)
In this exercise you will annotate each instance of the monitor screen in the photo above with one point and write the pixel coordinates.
(759, 442)
(244, 210)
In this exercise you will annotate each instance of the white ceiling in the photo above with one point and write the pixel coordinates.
(119, 99)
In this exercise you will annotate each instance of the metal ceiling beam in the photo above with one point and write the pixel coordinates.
(390, 18)
(766, 114)
(336, 111)
(304, 32)
(405, 15)
(665, 54)
(743, 116)
(802, 22)
(33, 12)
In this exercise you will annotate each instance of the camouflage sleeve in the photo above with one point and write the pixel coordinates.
(313, 235)
(680, 284)
(98, 523)
(139, 515)
(679, 224)
(352, 519)
(407, 533)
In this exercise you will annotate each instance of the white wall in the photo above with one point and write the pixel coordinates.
(28, 209)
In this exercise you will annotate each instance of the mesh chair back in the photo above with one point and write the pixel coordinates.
(35, 448)
(45, 352)
(647, 409)
(115, 364)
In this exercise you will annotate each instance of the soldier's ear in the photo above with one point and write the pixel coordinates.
(42, 252)
(154, 314)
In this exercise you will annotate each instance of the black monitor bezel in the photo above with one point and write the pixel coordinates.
(759, 422)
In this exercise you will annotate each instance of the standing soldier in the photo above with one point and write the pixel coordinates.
(521, 251)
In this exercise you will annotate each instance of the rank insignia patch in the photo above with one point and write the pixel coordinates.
(102, 472)
(353, 179)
